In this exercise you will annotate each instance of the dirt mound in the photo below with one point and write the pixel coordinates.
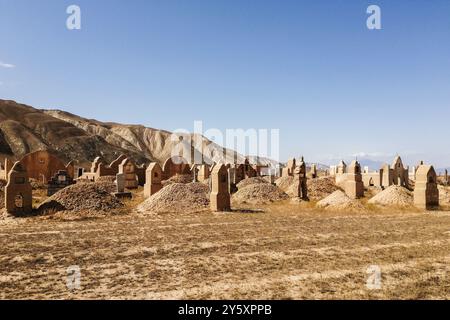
(317, 188)
(259, 193)
(177, 198)
(284, 182)
(339, 201)
(393, 196)
(85, 196)
(321, 187)
(267, 179)
(250, 181)
(179, 178)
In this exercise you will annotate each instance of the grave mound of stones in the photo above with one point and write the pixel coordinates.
(259, 193)
(85, 196)
(179, 178)
(393, 196)
(109, 179)
(177, 198)
(317, 188)
(249, 181)
(339, 201)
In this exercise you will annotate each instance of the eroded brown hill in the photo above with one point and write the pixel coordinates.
(24, 129)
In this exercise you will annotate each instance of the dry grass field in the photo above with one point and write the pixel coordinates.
(285, 251)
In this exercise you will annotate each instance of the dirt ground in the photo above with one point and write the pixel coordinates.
(279, 252)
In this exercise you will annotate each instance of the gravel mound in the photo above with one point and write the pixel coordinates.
(259, 193)
(177, 198)
(317, 188)
(393, 196)
(109, 179)
(321, 187)
(284, 182)
(179, 178)
(85, 196)
(249, 181)
(339, 201)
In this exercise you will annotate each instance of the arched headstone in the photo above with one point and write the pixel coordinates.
(153, 178)
(18, 191)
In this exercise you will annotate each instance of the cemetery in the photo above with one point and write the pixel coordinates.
(225, 185)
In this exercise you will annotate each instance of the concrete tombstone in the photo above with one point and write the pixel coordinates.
(194, 170)
(176, 165)
(313, 171)
(341, 168)
(387, 176)
(153, 179)
(300, 175)
(203, 173)
(58, 182)
(426, 192)
(128, 167)
(220, 195)
(96, 163)
(120, 182)
(18, 191)
(354, 186)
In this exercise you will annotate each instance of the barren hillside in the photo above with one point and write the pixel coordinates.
(151, 143)
(24, 129)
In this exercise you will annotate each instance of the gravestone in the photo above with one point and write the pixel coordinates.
(120, 182)
(341, 168)
(400, 175)
(120, 187)
(239, 173)
(249, 171)
(128, 168)
(426, 192)
(300, 176)
(354, 186)
(18, 191)
(6, 168)
(203, 173)
(387, 176)
(175, 165)
(153, 178)
(58, 182)
(232, 188)
(313, 172)
(290, 168)
(194, 171)
(95, 164)
(220, 195)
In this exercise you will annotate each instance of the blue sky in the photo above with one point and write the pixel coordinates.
(309, 68)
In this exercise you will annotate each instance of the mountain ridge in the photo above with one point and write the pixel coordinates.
(24, 129)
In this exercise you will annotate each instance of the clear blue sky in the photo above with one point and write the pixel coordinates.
(310, 68)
